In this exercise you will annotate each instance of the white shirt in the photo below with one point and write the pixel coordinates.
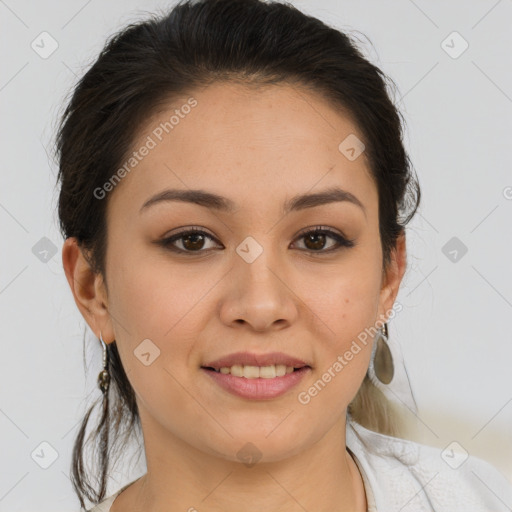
(403, 476)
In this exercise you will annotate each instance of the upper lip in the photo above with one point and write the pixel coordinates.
(252, 359)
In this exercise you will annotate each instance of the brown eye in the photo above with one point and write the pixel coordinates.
(192, 240)
(315, 240)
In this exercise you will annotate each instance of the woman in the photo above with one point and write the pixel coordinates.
(234, 195)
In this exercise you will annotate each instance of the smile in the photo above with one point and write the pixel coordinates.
(248, 381)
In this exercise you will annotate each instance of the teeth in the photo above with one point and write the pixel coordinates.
(255, 372)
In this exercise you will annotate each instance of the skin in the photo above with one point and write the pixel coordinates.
(258, 147)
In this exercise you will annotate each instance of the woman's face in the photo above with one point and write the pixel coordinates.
(252, 281)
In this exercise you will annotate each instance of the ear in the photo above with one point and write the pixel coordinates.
(392, 278)
(88, 290)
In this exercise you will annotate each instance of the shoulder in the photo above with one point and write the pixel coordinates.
(104, 506)
(408, 476)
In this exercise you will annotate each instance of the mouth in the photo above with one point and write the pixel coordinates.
(253, 365)
(257, 383)
(256, 372)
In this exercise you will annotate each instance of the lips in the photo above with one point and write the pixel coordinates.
(252, 359)
(258, 389)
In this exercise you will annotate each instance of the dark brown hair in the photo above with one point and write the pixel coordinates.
(195, 44)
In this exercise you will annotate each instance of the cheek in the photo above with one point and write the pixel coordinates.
(154, 299)
(346, 306)
(153, 311)
(166, 306)
(343, 355)
(346, 301)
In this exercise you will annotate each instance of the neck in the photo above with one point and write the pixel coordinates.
(323, 477)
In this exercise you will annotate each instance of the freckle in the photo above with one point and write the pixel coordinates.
(346, 301)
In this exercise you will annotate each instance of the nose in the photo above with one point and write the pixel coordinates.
(260, 295)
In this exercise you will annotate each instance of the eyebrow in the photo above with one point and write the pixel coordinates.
(220, 203)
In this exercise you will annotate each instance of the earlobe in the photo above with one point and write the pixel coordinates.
(87, 288)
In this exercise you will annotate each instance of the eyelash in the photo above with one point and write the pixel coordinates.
(341, 240)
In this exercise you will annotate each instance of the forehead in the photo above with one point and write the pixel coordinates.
(231, 137)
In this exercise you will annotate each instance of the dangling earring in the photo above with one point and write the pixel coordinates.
(383, 366)
(387, 370)
(104, 376)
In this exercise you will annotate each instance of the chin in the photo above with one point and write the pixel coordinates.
(258, 447)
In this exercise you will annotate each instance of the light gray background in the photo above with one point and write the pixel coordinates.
(455, 327)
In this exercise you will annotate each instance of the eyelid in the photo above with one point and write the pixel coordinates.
(343, 242)
(191, 229)
(320, 228)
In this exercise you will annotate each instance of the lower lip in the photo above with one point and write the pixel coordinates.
(258, 389)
